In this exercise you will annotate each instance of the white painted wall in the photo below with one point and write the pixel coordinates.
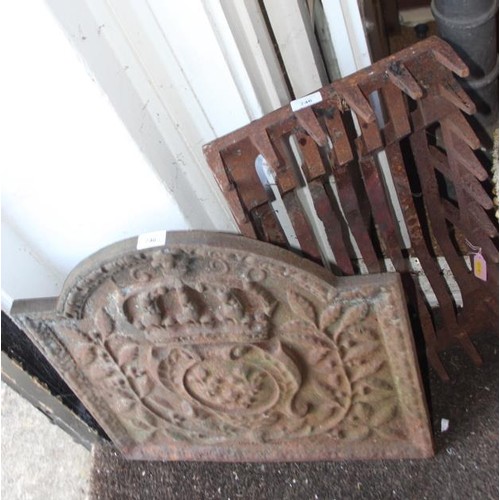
(73, 180)
(84, 167)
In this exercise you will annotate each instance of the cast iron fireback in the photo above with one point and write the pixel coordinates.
(218, 347)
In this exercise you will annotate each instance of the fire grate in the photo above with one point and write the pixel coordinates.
(398, 125)
(217, 347)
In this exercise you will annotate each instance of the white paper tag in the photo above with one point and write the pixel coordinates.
(150, 240)
(480, 267)
(306, 101)
(445, 424)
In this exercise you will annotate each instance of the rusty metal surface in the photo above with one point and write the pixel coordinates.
(331, 219)
(217, 347)
(441, 185)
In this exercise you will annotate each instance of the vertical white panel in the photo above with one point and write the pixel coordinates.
(247, 25)
(294, 33)
(186, 28)
(348, 37)
(232, 57)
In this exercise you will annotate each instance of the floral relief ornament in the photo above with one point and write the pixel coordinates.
(221, 348)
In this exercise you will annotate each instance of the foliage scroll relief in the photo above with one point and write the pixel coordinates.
(215, 347)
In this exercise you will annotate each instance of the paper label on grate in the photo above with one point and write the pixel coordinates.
(306, 101)
(479, 267)
(150, 240)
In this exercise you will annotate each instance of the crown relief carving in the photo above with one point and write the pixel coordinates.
(208, 345)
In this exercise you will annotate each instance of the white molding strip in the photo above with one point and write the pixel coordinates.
(294, 33)
(248, 27)
(348, 35)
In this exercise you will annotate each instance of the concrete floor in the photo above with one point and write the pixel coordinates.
(39, 460)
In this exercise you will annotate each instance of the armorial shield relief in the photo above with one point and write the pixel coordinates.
(216, 347)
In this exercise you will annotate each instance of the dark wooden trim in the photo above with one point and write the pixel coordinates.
(26, 370)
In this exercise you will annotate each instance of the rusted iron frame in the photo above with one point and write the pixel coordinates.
(332, 225)
(397, 128)
(469, 286)
(386, 229)
(342, 174)
(315, 166)
(349, 202)
(452, 329)
(288, 179)
(376, 75)
(267, 225)
(351, 94)
(232, 194)
(302, 227)
(342, 92)
(436, 214)
(467, 186)
(436, 102)
(397, 111)
(475, 235)
(388, 232)
(471, 197)
(461, 139)
(428, 263)
(432, 110)
(453, 174)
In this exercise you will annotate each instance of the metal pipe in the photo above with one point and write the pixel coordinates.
(470, 26)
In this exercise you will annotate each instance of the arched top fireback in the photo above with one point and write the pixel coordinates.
(217, 347)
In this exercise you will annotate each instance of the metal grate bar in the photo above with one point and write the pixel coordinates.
(407, 108)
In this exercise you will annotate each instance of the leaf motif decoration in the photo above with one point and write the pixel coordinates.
(381, 385)
(127, 354)
(391, 432)
(364, 392)
(356, 432)
(86, 354)
(302, 306)
(99, 371)
(353, 315)
(142, 385)
(331, 390)
(354, 294)
(76, 336)
(384, 414)
(330, 315)
(361, 412)
(366, 369)
(299, 326)
(125, 403)
(159, 406)
(144, 420)
(360, 350)
(104, 322)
